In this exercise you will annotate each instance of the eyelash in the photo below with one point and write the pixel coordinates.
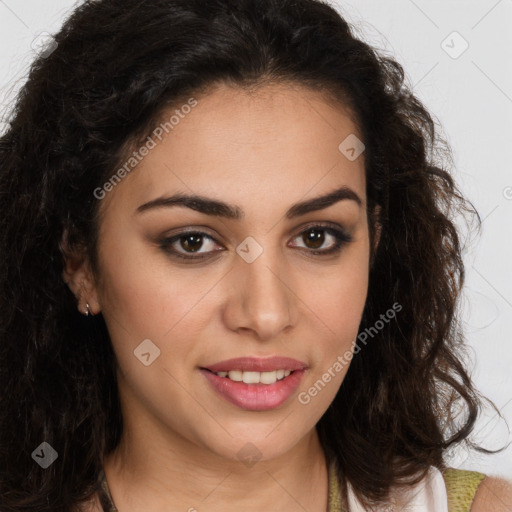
(341, 236)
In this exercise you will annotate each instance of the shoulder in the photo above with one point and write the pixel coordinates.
(493, 494)
(471, 491)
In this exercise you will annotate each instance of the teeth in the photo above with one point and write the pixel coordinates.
(235, 375)
(251, 377)
(268, 377)
(255, 377)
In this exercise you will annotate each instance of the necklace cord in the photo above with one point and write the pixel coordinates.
(334, 492)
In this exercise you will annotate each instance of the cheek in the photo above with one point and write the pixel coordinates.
(145, 293)
(341, 317)
(339, 297)
(339, 306)
(338, 303)
(144, 297)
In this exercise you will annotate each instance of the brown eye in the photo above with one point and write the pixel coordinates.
(314, 238)
(191, 242)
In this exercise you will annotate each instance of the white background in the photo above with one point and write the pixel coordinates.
(471, 98)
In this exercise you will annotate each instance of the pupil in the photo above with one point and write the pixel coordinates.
(192, 242)
(315, 236)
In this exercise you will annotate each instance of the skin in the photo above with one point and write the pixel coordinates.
(493, 494)
(273, 147)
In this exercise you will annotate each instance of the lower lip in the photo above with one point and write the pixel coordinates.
(255, 397)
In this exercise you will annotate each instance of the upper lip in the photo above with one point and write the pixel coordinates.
(257, 364)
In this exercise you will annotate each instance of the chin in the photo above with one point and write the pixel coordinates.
(266, 445)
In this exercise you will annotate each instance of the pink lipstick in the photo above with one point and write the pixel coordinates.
(255, 384)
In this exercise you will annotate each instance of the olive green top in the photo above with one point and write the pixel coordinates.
(461, 486)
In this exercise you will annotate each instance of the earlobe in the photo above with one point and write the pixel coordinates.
(77, 274)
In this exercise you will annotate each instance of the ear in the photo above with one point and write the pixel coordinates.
(78, 275)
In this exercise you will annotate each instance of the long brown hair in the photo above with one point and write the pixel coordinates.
(115, 66)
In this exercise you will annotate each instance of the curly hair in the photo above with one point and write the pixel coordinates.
(117, 66)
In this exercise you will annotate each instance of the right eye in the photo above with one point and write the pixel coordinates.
(189, 242)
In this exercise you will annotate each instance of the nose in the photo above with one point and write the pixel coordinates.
(262, 299)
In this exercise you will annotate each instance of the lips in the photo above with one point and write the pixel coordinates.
(254, 397)
(250, 396)
(254, 364)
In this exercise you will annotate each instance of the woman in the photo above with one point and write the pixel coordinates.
(230, 274)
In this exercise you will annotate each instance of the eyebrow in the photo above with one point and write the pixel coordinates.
(220, 209)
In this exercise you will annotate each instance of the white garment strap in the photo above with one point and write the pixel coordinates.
(428, 495)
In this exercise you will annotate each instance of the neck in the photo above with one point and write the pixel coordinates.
(143, 475)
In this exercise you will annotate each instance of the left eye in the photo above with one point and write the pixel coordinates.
(314, 237)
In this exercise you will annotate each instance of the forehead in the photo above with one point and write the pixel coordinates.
(277, 141)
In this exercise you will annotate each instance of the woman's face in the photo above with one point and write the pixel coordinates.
(252, 269)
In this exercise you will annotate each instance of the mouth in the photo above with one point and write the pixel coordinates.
(255, 384)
